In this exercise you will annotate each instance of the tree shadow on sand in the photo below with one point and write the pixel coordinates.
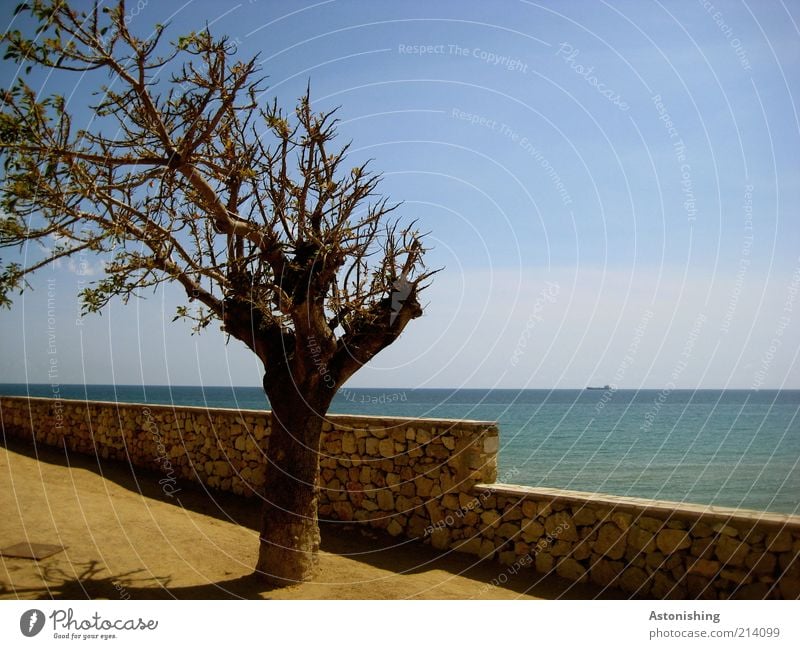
(90, 580)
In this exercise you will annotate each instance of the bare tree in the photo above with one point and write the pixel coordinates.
(182, 177)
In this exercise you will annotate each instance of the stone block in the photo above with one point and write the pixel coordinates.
(669, 541)
(779, 541)
(529, 508)
(344, 510)
(394, 528)
(725, 530)
(532, 530)
(424, 486)
(610, 541)
(349, 443)
(731, 551)
(605, 573)
(561, 549)
(507, 530)
(703, 548)
(649, 524)
(704, 568)
(522, 549)
(437, 451)
(385, 499)
(471, 518)
(490, 517)
(641, 540)
(222, 469)
(581, 551)
(622, 520)
(561, 526)
(583, 516)
(434, 510)
(751, 537)
(761, 563)
(450, 502)
(386, 448)
(569, 568)
(405, 504)
(466, 502)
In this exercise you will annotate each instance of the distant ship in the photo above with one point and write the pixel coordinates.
(595, 387)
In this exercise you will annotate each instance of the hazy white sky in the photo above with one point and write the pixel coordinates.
(612, 188)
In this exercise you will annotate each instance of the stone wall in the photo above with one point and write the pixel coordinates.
(434, 480)
(377, 469)
(649, 548)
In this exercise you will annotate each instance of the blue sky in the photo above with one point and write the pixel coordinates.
(612, 188)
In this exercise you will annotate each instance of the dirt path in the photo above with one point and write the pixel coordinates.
(126, 539)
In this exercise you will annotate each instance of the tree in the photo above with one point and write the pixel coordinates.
(182, 177)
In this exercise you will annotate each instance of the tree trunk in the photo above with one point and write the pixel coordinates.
(289, 547)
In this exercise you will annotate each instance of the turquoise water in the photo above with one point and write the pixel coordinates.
(730, 448)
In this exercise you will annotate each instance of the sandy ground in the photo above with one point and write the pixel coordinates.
(126, 539)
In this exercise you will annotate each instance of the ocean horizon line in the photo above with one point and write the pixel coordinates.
(407, 388)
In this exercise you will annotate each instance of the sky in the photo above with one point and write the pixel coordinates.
(612, 189)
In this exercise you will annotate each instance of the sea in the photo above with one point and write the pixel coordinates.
(730, 448)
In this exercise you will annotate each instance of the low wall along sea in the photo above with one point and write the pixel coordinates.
(436, 480)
